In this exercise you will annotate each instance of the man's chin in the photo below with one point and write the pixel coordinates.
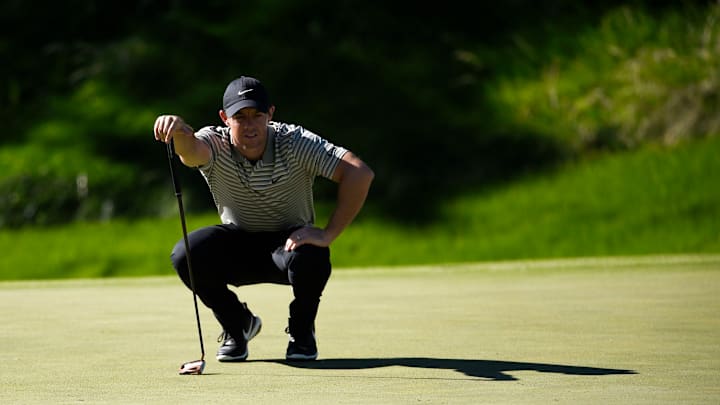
(251, 152)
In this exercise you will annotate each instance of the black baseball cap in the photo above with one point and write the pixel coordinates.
(245, 92)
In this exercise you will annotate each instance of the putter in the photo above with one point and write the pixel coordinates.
(194, 367)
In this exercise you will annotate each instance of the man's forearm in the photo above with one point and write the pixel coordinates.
(173, 128)
(352, 192)
(188, 149)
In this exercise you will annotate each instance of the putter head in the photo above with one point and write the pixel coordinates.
(194, 367)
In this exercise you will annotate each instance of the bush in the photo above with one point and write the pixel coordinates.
(633, 79)
(48, 185)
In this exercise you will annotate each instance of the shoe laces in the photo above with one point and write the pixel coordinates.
(223, 337)
(292, 339)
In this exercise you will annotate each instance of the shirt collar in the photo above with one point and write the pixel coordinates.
(269, 154)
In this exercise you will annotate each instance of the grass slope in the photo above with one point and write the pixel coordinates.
(651, 201)
(655, 200)
(616, 330)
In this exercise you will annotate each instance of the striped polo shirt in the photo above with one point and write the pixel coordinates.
(275, 193)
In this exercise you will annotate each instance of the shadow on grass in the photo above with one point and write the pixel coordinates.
(486, 369)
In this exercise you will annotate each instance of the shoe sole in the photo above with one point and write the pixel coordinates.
(301, 357)
(225, 358)
(254, 332)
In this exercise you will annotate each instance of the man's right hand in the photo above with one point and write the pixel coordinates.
(169, 126)
(192, 152)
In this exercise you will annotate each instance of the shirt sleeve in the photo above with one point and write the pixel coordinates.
(210, 137)
(316, 155)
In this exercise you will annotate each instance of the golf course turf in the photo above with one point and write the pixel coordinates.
(596, 330)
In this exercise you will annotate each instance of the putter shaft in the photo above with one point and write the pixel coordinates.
(178, 194)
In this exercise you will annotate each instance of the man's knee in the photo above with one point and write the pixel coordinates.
(309, 267)
(178, 257)
(202, 248)
(311, 258)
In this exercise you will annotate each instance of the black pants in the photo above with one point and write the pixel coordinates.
(225, 254)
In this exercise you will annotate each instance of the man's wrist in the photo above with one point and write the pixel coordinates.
(330, 234)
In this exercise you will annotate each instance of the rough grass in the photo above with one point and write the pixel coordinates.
(651, 201)
(604, 330)
(632, 78)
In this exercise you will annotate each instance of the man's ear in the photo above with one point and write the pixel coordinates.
(271, 111)
(223, 116)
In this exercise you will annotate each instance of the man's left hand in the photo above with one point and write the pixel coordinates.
(307, 235)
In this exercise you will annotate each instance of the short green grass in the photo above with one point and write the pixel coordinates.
(655, 200)
(639, 330)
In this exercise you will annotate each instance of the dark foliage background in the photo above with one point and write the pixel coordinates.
(402, 85)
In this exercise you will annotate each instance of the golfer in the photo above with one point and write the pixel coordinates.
(260, 174)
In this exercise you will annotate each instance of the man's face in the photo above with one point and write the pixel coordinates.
(248, 128)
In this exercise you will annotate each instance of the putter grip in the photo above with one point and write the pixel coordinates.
(171, 159)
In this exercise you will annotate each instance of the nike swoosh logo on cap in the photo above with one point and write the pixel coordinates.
(240, 93)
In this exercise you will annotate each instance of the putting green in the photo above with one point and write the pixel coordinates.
(615, 330)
